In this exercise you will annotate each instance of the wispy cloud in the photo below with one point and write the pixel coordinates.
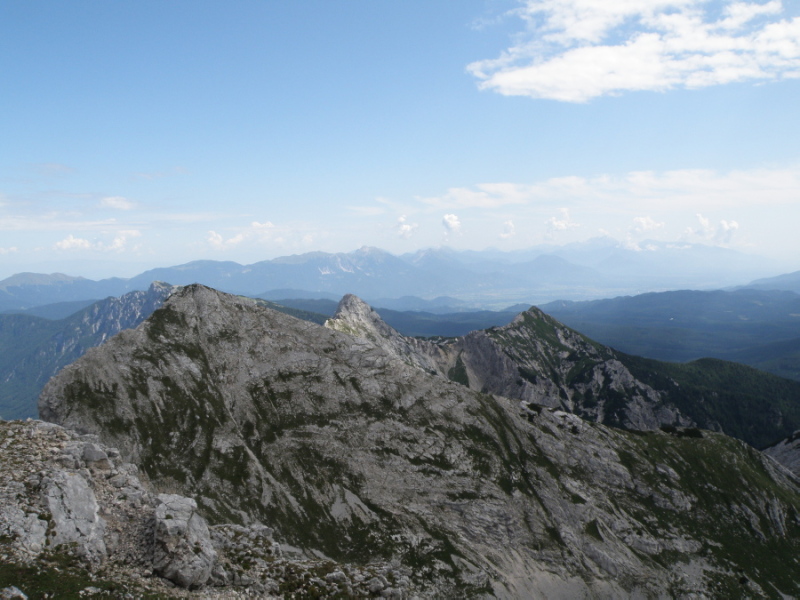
(645, 224)
(563, 223)
(52, 222)
(685, 189)
(576, 50)
(117, 202)
(483, 195)
(72, 243)
(255, 231)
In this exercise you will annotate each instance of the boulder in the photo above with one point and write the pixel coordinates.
(183, 550)
(75, 514)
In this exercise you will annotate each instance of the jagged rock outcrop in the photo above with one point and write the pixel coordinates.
(355, 317)
(353, 453)
(787, 452)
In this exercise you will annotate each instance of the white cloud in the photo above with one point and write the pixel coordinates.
(405, 229)
(726, 231)
(120, 240)
(483, 195)
(220, 243)
(73, 243)
(266, 225)
(563, 224)
(645, 224)
(256, 232)
(639, 191)
(11, 250)
(509, 230)
(452, 225)
(576, 50)
(117, 202)
(118, 243)
(721, 234)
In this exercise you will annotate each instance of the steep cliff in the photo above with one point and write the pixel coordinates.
(351, 451)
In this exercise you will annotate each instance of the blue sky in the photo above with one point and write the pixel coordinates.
(151, 133)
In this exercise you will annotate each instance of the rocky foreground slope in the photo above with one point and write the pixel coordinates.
(77, 521)
(359, 453)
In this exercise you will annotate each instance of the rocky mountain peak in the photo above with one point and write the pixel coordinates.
(357, 318)
(353, 453)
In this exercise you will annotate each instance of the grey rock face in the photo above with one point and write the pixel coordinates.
(47, 507)
(355, 317)
(350, 451)
(183, 553)
(787, 452)
(75, 513)
(12, 593)
(29, 529)
(139, 537)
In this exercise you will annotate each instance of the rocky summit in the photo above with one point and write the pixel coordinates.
(360, 449)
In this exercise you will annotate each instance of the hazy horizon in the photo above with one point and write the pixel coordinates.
(149, 134)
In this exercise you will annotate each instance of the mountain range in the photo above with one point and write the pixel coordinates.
(755, 326)
(488, 279)
(355, 444)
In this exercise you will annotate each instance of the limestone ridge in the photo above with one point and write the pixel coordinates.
(350, 451)
(534, 359)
